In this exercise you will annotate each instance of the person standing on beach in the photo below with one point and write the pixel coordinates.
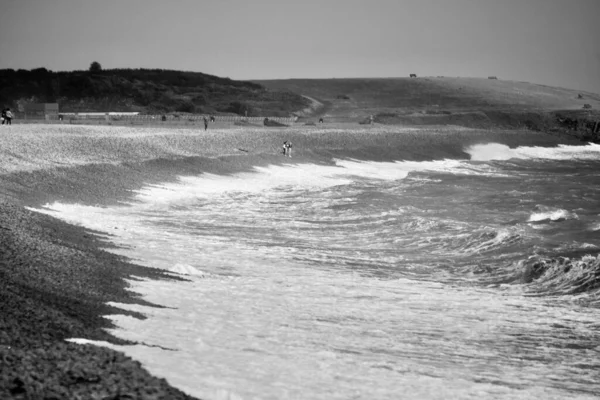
(284, 148)
(289, 149)
(205, 123)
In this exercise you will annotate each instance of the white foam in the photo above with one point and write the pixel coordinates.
(551, 215)
(185, 269)
(296, 177)
(496, 151)
(492, 151)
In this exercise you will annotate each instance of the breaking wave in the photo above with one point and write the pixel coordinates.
(496, 151)
(551, 214)
(561, 275)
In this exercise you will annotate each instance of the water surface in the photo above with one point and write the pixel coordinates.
(424, 279)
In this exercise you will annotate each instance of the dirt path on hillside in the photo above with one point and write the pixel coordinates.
(313, 109)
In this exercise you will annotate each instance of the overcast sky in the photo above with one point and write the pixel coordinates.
(553, 42)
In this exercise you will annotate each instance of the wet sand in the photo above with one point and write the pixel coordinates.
(55, 278)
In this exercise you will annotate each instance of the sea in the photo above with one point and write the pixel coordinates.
(469, 278)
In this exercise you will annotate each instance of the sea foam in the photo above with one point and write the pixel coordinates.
(496, 151)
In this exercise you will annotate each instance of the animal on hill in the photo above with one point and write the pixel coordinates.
(587, 106)
(413, 75)
(492, 77)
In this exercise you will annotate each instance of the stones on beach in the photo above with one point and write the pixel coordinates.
(72, 371)
(55, 283)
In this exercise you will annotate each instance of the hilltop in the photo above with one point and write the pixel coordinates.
(145, 91)
(471, 102)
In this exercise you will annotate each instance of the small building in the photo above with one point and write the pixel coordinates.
(41, 110)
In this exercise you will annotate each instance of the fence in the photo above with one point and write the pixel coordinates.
(165, 118)
(182, 120)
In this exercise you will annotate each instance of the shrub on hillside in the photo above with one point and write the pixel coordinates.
(144, 90)
(95, 67)
(237, 107)
(185, 106)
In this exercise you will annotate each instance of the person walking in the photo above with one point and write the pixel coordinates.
(8, 117)
(3, 115)
(289, 149)
(284, 148)
(205, 123)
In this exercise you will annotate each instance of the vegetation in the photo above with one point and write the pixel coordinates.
(95, 67)
(144, 90)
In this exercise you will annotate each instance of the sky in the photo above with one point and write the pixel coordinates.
(551, 42)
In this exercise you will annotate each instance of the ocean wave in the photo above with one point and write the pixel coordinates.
(491, 240)
(561, 275)
(461, 241)
(499, 152)
(544, 214)
(492, 151)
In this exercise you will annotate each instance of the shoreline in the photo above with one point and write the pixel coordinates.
(56, 278)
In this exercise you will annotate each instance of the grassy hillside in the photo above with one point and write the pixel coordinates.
(363, 96)
(144, 90)
(472, 102)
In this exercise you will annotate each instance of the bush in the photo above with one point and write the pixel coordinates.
(95, 67)
(185, 106)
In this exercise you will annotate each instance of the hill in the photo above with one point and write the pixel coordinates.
(145, 91)
(471, 102)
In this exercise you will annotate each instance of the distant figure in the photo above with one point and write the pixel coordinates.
(413, 75)
(320, 120)
(492, 77)
(8, 116)
(163, 118)
(284, 148)
(212, 118)
(266, 121)
(205, 123)
(3, 115)
(289, 149)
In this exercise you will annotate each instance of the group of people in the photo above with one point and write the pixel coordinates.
(7, 116)
(287, 148)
